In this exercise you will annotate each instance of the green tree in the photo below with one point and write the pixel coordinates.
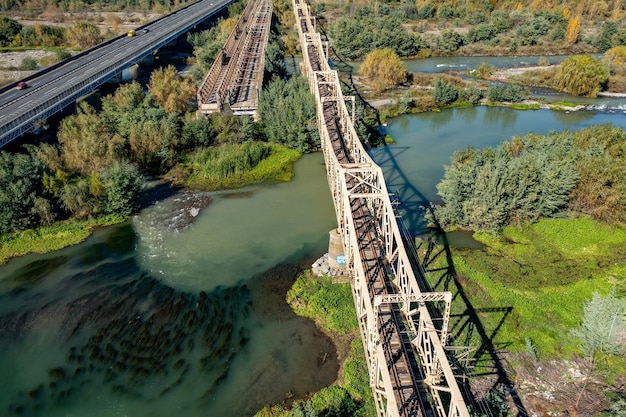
(287, 114)
(275, 60)
(445, 93)
(8, 29)
(582, 75)
(482, 32)
(197, 132)
(122, 185)
(450, 41)
(86, 143)
(505, 93)
(603, 325)
(20, 185)
(355, 36)
(383, 69)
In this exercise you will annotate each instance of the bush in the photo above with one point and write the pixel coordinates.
(582, 75)
(449, 42)
(28, 64)
(505, 93)
(482, 32)
(287, 114)
(383, 69)
(122, 184)
(354, 37)
(445, 93)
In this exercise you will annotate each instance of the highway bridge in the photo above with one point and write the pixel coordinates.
(53, 88)
(410, 372)
(235, 79)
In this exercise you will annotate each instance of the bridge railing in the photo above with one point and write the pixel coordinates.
(25, 121)
(367, 183)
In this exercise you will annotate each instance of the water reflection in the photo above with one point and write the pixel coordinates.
(425, 142)
(89, 330)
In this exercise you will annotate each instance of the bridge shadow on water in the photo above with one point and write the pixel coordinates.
(465, 323)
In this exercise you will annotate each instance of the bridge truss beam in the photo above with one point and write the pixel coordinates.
(410, 374)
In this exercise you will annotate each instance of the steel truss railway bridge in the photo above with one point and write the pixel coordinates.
(409, 370)
(235, 79)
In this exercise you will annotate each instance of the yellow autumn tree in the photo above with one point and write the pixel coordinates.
(170, 90)
(573, 30)
(616, 55)
(582, 75)
(383, 69)
(566, 13)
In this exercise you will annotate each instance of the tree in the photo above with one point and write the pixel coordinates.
(445, 93)
(354, 37)
(383, 69)
(9, 28)
(83, 35)
(87, 145)
(122, 184)
(616, 55)
(602, 329)
(582, 75)
(450, 41)
(170, 90)
(20, 182)
(287, 114)
(505, 93)
(573, 30)
(275, 60)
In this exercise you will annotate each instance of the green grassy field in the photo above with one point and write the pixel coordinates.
(529, 285)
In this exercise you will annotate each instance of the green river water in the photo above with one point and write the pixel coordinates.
(181, 312)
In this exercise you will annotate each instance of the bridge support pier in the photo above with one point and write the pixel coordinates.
(336, 251)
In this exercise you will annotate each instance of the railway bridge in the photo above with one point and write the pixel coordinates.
(235, 79)
(409, 370)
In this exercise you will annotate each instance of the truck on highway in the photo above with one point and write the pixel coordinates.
(131, 33)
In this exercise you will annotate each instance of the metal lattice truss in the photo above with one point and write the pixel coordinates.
(374, 248)
(235, 79)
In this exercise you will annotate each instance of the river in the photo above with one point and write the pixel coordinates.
(181, 312)
(426, 141)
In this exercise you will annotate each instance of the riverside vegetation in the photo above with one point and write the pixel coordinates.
(528, 260)
(93, 176)
(548, 209)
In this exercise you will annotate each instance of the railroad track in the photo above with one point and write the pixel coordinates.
(236, 76)
(417, 379)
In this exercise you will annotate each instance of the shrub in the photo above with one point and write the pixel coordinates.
(445, 93)
(449, 42)
(383, 69)
(482, 32)
(28, 64)
(582, 75)
(122, 184)
(505, 93)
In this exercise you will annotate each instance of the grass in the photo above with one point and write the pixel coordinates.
(278, 166)
(525, 106)
(331, 306)
(50, 238)
(532, 283)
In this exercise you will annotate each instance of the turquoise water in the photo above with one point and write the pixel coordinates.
(425, 143)
(179, 312)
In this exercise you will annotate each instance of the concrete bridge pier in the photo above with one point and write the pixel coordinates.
(336, 251)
